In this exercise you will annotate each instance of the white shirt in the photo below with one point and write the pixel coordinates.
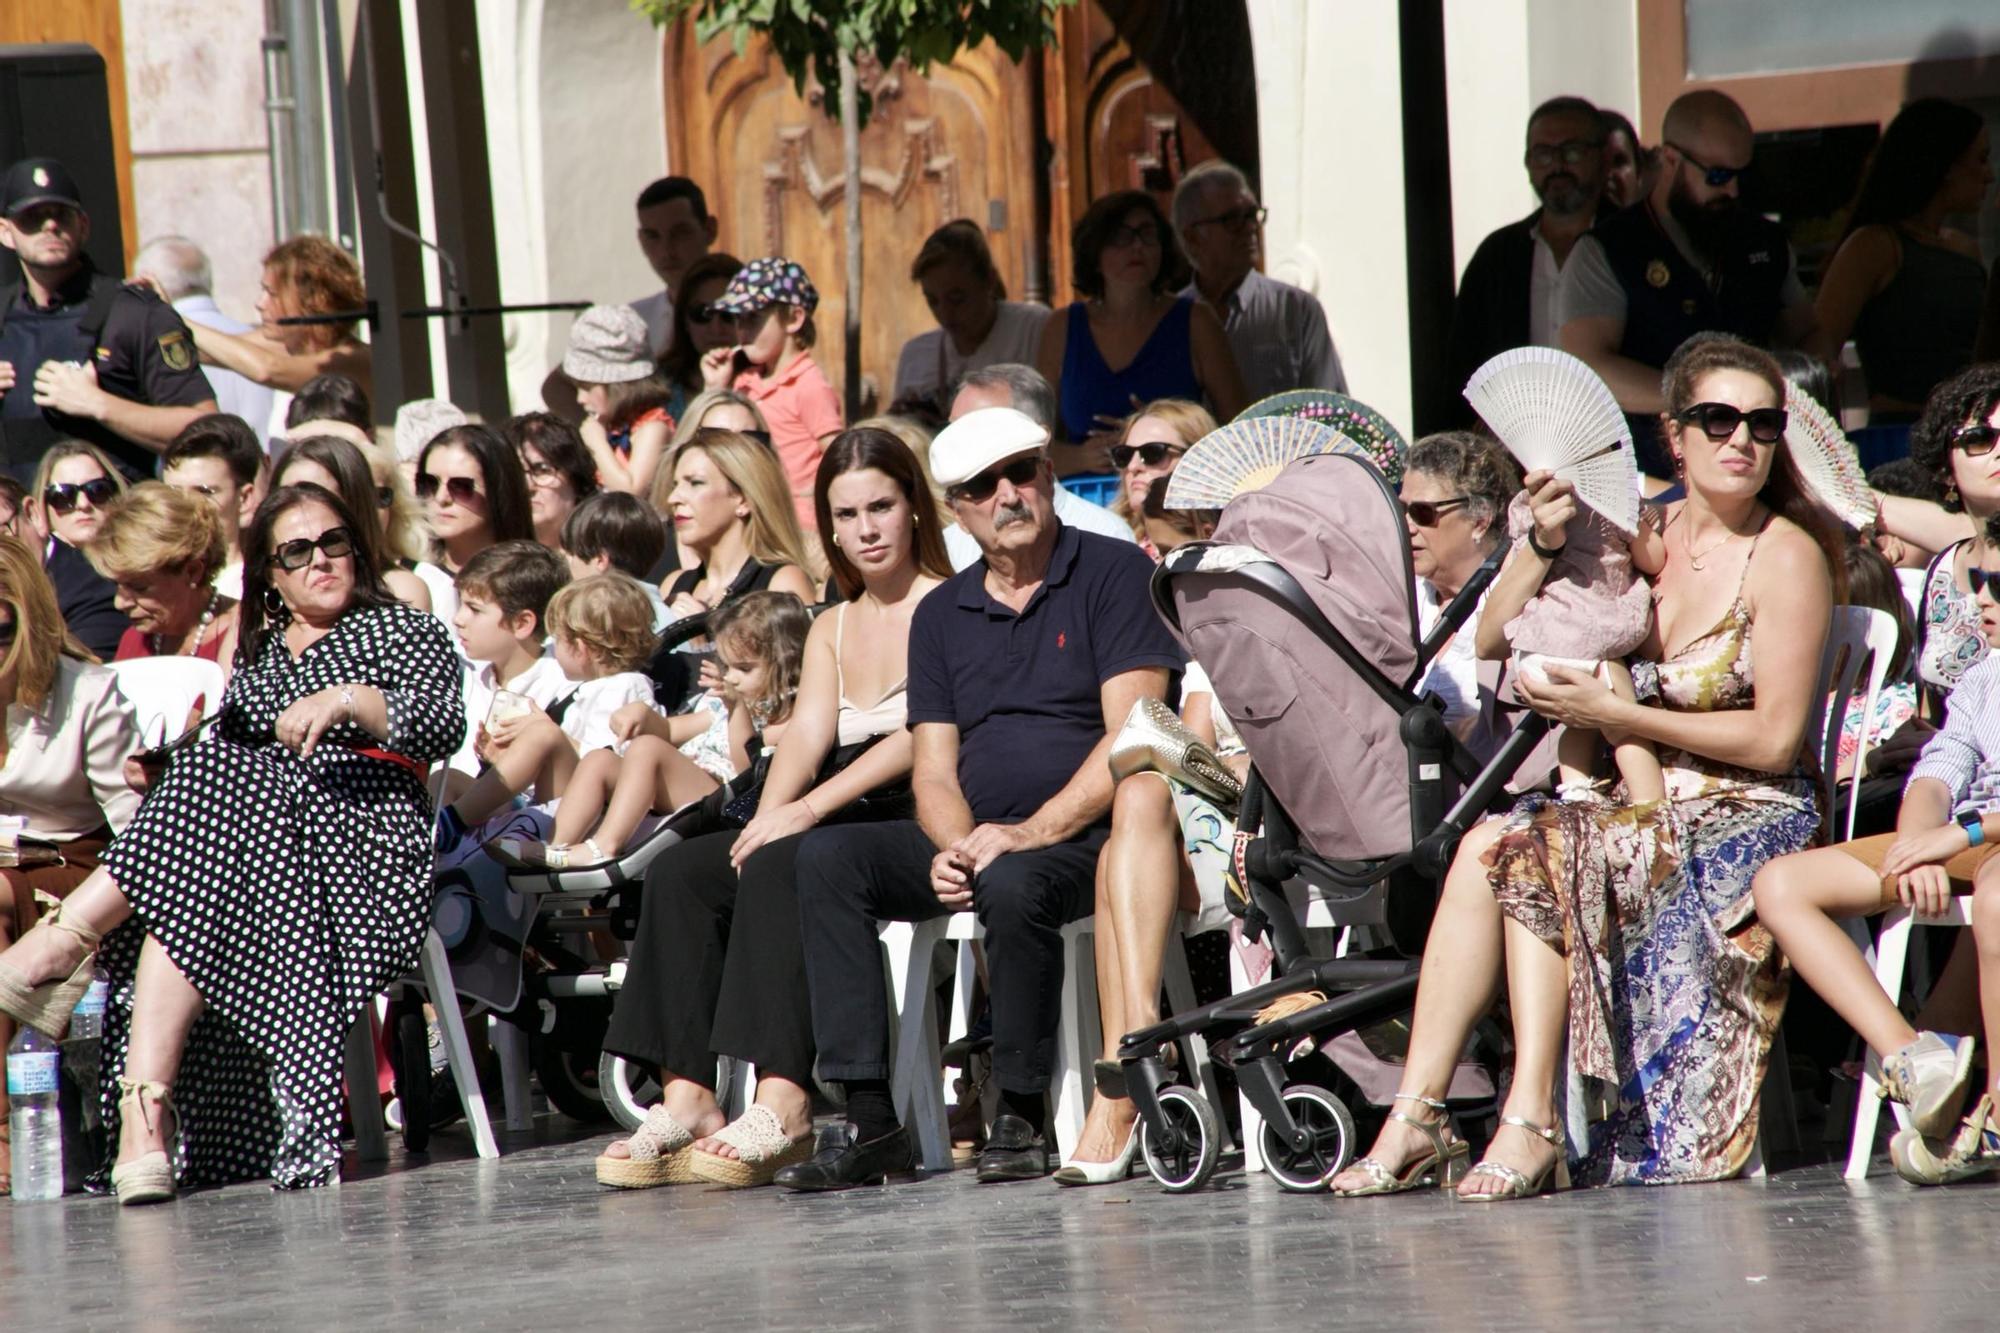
(1453, 675)
(588, 718)
(1070, 508)
(658, 312)
(544, 682)
(234, 394)
(1279, 335)
(1544, 282)
(930, 362)
(65, 767)
(229, 581)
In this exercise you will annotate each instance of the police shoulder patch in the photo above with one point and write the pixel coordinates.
(176, 351)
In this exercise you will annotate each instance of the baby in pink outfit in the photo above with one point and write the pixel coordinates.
(1593, 609)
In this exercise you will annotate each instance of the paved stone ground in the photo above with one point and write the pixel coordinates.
(531, 1242)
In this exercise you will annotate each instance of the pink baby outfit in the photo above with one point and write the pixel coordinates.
(1593, 605)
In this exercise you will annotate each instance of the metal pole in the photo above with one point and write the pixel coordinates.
(310, 183)
(850, 147)
(279, 108)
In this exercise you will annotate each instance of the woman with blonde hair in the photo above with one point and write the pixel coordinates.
(162, 548)
(1148, 450)
(731, 513)
(306, 275)
(74, 484)
(61, 765)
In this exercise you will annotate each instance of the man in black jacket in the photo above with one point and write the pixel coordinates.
(1507, 297)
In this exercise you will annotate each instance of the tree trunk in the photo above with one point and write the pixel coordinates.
(850, 147)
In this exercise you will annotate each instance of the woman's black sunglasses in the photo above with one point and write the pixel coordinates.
(62, 496)
(8, 629)
(980, 488)
(333, 543)
(706, 313)
(462, 490)
(1719, 421)
(1978, 579)
(1426, 513)
(1152, 455)
(1976, 440)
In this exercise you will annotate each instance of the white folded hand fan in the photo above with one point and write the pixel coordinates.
(1554, 414)
(1826, 459)
(1246, 454)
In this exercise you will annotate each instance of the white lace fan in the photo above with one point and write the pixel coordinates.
(1554, 414)
(1826, 459)
(1247, 454)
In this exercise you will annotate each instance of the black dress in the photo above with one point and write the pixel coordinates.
(289, 891)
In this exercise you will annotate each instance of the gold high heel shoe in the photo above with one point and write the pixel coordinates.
(1154, 739)
(46, 1007)
(1515, 1185)
(147, 1179)
(1443, 1166)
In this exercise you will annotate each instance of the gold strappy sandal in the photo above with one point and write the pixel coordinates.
(147, 1179)
(1513, 1184)
(1443, 1166)
(46, 1007)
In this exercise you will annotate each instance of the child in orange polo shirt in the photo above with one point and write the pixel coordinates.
(772, 301)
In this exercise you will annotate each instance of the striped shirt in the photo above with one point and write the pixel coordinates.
(1965, 754)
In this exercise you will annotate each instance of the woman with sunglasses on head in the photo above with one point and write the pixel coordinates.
(699, 328)
(63, 755)
(162, 548)
(275, 879)
(475, 493)
(1629, 927)
(1131, 340)
(74, 485)
(343, 468)
(1149, 447)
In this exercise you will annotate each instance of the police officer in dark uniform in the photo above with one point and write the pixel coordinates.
(82, 355)
(1686, 259)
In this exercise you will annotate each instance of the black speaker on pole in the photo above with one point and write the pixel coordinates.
(55, 102)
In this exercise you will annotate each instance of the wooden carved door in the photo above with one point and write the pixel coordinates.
(955, 143)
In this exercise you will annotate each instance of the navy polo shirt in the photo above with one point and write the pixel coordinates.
(1023, 690)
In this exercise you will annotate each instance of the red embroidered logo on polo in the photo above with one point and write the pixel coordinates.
(1061, 638)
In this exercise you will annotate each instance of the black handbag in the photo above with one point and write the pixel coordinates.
(736, 804)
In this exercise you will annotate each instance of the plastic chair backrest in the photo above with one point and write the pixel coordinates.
(1858, 638)
(161, 690)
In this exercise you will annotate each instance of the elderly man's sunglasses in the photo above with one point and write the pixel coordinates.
(297, 554)
(1713, 177)
(1976, 440)
(462, 490)
(62, 496)
(1719, 421)
(980, 488)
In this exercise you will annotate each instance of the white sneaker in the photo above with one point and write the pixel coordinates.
(1930, 1076)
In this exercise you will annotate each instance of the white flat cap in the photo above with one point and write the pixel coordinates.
(978, 440)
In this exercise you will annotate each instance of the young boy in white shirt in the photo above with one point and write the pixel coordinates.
(503, 595)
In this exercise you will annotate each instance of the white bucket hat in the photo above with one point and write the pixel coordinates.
(607, 345)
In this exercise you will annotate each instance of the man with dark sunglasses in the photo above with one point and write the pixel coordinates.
(82, 355)
(1021, 668)
(1688, 258)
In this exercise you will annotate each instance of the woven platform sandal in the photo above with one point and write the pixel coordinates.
(46, 1007)
(660, 1151)
(150, 1178)
(1443, 1166)
(763, 1150)
(1515, 1185)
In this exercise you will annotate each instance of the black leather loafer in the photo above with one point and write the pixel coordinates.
(1013, 1152)
(839, 1163)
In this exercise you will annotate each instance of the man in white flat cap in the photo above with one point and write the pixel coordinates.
(1021, 669)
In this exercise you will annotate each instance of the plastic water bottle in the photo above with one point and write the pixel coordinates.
(86, 1021)
(33, 1063)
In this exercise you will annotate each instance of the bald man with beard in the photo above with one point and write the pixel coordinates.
(1687, 258)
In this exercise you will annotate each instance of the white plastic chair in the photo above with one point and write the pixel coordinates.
(161, 690)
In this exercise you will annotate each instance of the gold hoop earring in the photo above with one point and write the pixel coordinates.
(836, 539)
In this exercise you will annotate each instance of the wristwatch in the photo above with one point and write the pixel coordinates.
(1975, 830)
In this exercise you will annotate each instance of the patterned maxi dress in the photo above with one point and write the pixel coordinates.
(287, 890)
(1675, 990)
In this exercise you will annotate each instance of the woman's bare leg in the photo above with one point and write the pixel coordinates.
(1799, 897)
(1954, 1003)
(690, 1103)
(791, 1103)
(1538, 993)
(1461, 971)
(47, 954)
(164, 1008)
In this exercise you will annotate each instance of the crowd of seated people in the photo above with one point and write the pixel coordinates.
(893, 671)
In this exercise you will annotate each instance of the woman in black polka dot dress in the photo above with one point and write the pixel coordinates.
(276, 877)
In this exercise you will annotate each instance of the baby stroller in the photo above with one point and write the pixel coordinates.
(1302, 609)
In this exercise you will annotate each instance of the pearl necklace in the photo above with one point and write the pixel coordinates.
(155, 644)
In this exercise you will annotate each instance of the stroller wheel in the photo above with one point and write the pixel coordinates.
(1184, 1157)
(413, 1075)
(627, 1089)
(570, 1079)
(1329, 1131)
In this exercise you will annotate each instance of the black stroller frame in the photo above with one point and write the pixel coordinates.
(1308, 1132)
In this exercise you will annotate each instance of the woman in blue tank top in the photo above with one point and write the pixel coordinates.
(1127, 266)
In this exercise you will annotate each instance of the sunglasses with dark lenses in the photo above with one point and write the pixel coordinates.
(333, 543)
(8, 629)
(62, 496)
(1976, 440)
(705, 314)
(1152, 455)
(1714, 177)
(980, 488)
(1719, 421)
(462, 490)
(1426, 513)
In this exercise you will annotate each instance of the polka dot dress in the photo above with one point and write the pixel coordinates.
(289, 891)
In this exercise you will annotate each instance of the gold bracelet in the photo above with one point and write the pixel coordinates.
(809, 809)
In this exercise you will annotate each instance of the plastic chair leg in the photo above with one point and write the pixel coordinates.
(436, 968)
(1891, 952)
(510, 1043)
(915, 1085)
(1077, 1038)
(364, 1102)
